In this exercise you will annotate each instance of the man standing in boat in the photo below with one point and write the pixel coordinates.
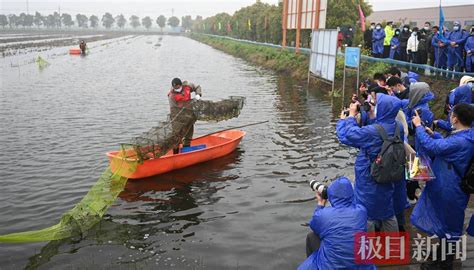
(83, 47)
(179, 98)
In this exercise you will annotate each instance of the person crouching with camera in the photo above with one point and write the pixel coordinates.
(330, 245)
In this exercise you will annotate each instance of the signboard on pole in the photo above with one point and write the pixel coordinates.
(351, 60)
(352, 57)
(322, 62)
(302, 14)
(313, 14)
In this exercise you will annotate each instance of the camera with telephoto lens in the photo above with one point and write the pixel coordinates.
(320, 188)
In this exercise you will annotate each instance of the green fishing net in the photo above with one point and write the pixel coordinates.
(85, 214)
(151, 144)
(168, 135)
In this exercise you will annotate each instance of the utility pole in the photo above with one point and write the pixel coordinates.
(27, 8)
(59, 12)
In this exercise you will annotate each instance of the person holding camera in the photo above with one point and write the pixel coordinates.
(440, 209)
(398, 88)
(330, 245)
(377, 198)
(418, 101)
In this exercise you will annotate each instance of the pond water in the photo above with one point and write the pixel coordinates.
(247, 210)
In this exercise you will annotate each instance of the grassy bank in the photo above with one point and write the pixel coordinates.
(287, 63)
(282, 61)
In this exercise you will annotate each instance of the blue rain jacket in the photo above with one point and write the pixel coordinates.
(440, 209)
(336, 227)
(469, 59)
(461, 94)
(411, 77)
(426, 115)
(378, 199)
(394, 53)
(377, 41)
(455, 54)
(440, 53)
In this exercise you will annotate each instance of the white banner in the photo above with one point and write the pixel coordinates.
(308, 14)
(322, 61)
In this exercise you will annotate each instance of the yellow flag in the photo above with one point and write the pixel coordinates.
(250, 24)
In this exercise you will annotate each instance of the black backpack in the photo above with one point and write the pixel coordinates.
(467, 181)
(389, 165)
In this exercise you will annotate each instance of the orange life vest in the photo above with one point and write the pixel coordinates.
(184, 95)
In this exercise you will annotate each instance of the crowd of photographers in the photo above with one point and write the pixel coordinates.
(391, 115)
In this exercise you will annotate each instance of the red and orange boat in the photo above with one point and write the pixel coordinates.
(75, 51)
(216, 145)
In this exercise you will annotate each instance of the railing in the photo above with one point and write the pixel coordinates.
(410, 66)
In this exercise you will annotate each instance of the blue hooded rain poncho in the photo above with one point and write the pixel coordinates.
(336, 227)
(440, 51)
(420, 96)
(455, 54)
(378, 199)
(377, 41)
(469, 48)
(411, 77)
(395, 48)
(440, 209)
(461, 94)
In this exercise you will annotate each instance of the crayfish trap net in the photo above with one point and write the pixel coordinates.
(168, 134)
(151, 144)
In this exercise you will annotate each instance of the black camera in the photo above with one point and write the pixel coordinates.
(366, 106)
(366, 83)
(320, 188)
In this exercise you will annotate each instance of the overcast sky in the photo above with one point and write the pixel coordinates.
(180, 8)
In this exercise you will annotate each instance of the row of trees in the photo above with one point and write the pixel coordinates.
(56, 20)
(259, 22)
(262, 22)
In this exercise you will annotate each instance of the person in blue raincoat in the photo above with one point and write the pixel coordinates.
(377, 198)
(469, 48)
(418, 100)
(440, 209)
(440, 50)
(412, 77)
(456, 38)
(461, 94)
(378, 37)
(395, 46)
(336, 227)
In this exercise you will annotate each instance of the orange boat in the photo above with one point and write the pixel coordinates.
(216, 145)
(74, 51)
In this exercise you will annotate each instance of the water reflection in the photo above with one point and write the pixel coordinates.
(167, 204)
